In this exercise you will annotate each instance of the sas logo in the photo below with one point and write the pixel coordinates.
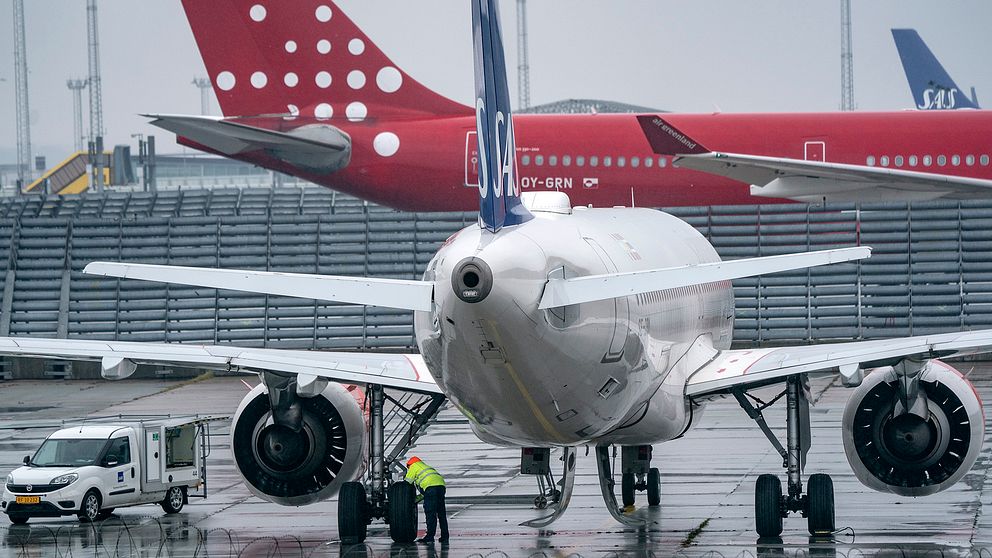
(120, 476)
(937, 97)
(590, 183)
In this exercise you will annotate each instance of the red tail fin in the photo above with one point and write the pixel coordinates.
(306, 56)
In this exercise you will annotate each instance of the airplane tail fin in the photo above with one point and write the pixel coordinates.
(932, 87)
(499, 192)
(306, 58)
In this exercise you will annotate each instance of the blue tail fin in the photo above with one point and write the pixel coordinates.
(499, 192)
(932, 88)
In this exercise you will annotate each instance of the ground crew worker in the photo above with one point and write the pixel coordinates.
(431, 484)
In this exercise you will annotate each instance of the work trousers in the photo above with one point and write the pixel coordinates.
(434, 510)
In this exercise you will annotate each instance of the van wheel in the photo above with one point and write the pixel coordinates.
(104, 514)
(90, 509)
(175, 498)
(18, 519)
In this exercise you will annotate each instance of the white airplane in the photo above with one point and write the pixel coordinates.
(553, 326)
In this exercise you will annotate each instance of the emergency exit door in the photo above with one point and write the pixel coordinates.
(815, 151)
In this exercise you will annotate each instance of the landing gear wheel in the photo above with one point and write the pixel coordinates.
(353, 522)
(768, 506)
(175, 499)
(18, 519)
(627, 489)
(90, 509)
(402, 512)
(654, 487)
(820, 500)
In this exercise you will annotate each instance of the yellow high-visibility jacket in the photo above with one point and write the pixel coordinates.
(423, 476)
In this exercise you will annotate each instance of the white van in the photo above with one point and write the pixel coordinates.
(90, 469)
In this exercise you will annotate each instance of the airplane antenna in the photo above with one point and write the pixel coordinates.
(523, 66)
(846, 58)
(21, 94)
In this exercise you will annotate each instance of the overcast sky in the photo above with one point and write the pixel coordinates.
(699, 56)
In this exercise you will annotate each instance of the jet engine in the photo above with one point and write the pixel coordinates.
(299, 468)
(918, 451)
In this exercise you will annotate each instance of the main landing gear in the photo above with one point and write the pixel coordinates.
(378, 496)
(553, 496)
(771, 505)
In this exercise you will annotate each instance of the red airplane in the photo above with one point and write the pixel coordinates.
(308, 94)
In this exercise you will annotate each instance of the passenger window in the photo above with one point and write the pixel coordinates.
(985, 160)
(941, 160)
(927, 160)
(899, 160)
(525, 160)
(553, 161)
(955, 160)
(580, 161)
(884, 160)
(648, 162)
(607, 161)
(539, 160)
(870, 161)
(594, 161)
(970, 160)
(621, 161)
(662, 162)
(566, 160)
(913, 160)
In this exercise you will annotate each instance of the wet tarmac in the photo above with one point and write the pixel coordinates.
(707, 496)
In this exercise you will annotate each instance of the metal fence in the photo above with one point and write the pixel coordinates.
(930, 270)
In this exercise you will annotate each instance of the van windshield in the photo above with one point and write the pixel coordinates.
(68, 453)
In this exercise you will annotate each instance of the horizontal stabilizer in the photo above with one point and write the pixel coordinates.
(388, 293)
(563, 292)
(317, 147)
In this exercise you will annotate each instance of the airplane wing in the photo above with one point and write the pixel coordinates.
(401, 371)
(755, 367)
(812, 181)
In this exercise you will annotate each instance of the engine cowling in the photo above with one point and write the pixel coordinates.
(295, 469)
(909, 455)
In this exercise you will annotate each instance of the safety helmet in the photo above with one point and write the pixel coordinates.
(412, 460)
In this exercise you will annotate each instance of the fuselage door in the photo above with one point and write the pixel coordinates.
(621, 310)
(471, 159)
(815, 150)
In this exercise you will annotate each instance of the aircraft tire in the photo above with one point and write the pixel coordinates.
(820, 499)
(627, 489)
(768, 506)
(352, 513)
(402, 512)
(654, 487)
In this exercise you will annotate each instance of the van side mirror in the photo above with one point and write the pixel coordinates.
(27, 459)
(110, 460)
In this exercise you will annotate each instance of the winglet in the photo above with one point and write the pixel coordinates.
(666, 139)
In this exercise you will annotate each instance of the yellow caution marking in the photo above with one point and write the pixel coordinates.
(535, 410)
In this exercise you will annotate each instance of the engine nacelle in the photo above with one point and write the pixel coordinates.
(909, 455)
(299, 468)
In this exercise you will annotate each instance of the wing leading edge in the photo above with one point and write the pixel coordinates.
(754, 367)
(400, 371)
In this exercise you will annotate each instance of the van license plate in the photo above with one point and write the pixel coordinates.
(28, 499)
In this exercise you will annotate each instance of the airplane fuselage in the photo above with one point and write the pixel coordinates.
(603, 364)
(604, 159)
